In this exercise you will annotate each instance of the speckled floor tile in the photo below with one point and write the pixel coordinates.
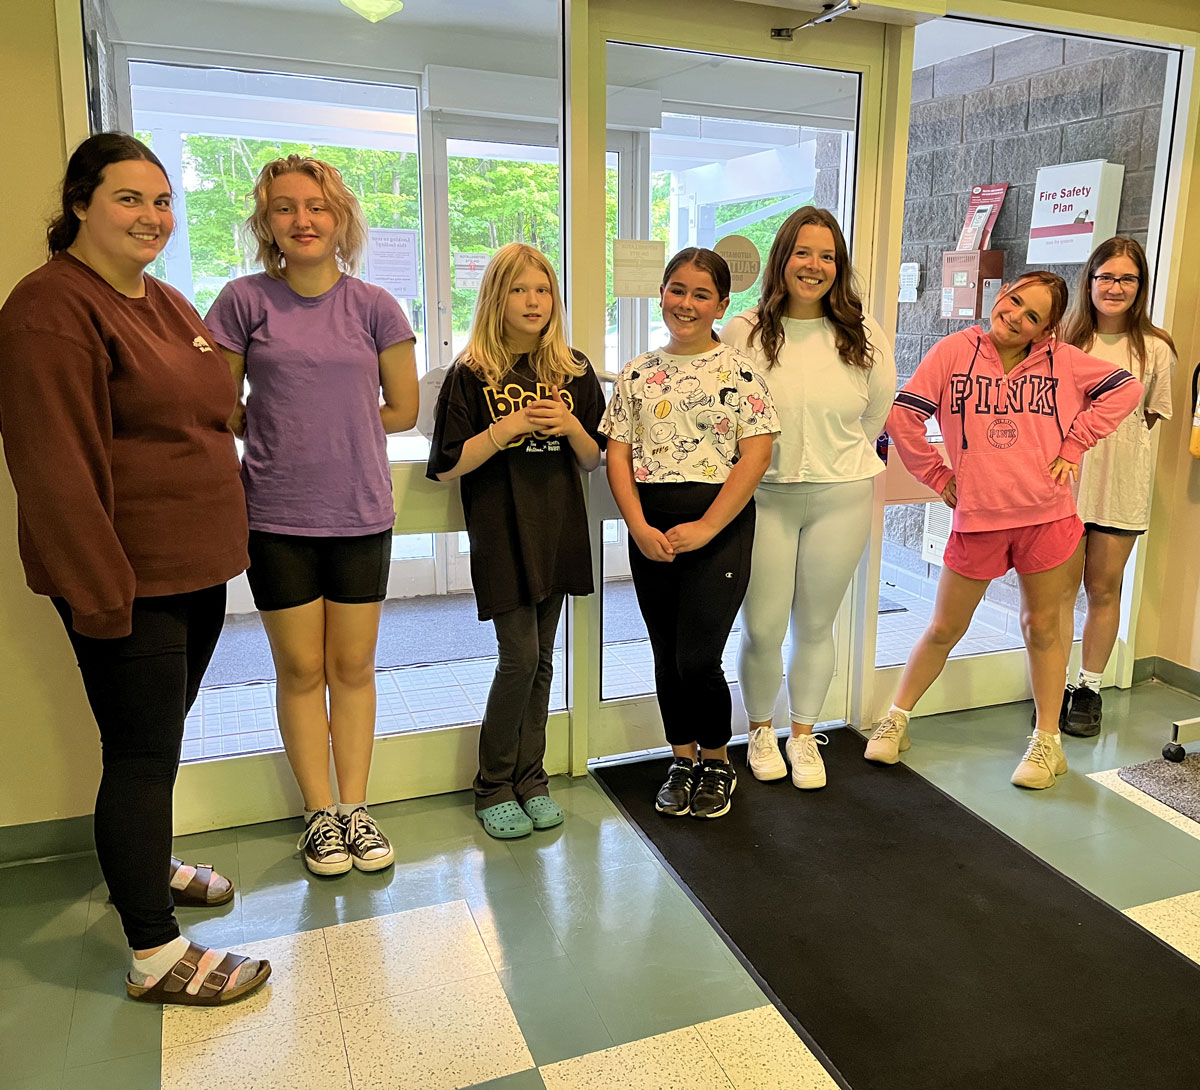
(390, 955)
(1175, 920)
(1112, 780)
(301, 984)
(671, 1061)
(307, 1054)
(758, 1050)
(439, 1038)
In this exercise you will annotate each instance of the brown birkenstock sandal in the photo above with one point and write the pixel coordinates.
(172, 988)
(195, 893)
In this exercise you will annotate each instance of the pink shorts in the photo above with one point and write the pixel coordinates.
(988, 554)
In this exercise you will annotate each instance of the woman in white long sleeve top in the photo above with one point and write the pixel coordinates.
(833, 377)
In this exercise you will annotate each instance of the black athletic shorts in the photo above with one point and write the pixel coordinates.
(1116, 531)
(287, 570)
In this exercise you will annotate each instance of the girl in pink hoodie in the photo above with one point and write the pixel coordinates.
(1016, 410)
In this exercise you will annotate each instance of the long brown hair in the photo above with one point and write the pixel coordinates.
(1081, 324)
(486, 354)
(841, 304)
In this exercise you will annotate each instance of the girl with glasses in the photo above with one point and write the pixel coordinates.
(1110, 320)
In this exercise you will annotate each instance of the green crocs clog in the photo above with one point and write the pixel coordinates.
(505, 821)
(544, 812)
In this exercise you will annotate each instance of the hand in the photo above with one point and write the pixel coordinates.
(652, 544)
(1062, 471)
(514, 426)
(237, 422)
(687, 537)
(950, 493)
(550, 415)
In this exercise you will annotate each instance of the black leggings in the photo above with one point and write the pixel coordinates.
(689, 606)
(140, 688)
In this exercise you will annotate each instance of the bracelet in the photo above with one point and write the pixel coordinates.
(492, 436)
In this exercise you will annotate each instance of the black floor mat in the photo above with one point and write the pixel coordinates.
(920, 948)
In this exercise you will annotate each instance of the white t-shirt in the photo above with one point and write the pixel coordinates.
(683, 415)
(830, 413)
(1116, 474)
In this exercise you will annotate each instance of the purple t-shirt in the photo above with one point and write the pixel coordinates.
(315, 462)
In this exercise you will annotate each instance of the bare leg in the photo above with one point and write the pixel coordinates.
(1074, 577)
(297, 638)
(1041, 611)
(1106, 558)
(351, 633)
(957, 599)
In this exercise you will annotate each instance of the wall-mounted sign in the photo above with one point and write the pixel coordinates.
(468, 270)
(392, 260)
(910, 278)
(1074, 208)
(638, 267)
(983, 208)
(743, 259)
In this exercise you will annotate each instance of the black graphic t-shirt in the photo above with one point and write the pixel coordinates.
(524, 506)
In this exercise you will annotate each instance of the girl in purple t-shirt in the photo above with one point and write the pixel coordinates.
(318, 345)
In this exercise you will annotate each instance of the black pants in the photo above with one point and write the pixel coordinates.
(140, 688)
(512, 739)
(689, 606)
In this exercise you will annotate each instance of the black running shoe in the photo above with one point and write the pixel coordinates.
(674, 798)
(1084, 720)
(714, 788)
(1063, 712)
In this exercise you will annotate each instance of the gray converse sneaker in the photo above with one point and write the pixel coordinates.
(763, 756)
(369, 848)
(324, 844)
(888, 742)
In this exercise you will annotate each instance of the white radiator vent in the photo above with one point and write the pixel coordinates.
(937, 532)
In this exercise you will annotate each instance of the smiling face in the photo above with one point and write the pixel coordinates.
(304, 227)
(810, 271)
(128, 220)
(1110, 297)
(690, 304)
(1021, 316)
(527, 308)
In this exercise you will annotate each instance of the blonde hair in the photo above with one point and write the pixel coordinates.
(351, 238)
(486, 354)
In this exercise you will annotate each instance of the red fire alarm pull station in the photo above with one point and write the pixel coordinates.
(972, 274)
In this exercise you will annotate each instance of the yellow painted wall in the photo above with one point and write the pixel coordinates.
(49, 754)
(48, 750)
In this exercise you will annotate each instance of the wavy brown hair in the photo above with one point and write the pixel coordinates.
(841, 304)
(351, 240)
(1080, 329)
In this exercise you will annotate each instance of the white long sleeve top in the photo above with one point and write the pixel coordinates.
(830, 413)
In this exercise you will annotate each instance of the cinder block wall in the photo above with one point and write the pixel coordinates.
(997, 115)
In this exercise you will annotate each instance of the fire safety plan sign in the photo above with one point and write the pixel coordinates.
(1075, 208)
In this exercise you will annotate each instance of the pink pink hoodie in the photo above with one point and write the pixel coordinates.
(1003, 431)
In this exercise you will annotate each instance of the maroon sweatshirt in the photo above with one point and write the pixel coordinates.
(113, 413)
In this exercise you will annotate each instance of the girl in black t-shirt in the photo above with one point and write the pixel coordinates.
(516, 418)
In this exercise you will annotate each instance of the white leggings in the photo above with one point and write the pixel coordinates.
(807, 543)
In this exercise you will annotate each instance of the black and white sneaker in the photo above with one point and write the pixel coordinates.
(369, 848)
(715, 784)
(324, 844)
(1083, 720)
(674, 798)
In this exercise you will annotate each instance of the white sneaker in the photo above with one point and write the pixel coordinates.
(888, 742)
(763, 757)
(804, 753)
(1043, 761)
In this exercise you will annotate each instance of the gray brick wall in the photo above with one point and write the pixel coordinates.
(997, 115)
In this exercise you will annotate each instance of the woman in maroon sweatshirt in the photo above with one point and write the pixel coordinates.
(130, 516)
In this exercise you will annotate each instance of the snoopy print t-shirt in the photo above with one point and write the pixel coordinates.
(683, 415)
(524, 506)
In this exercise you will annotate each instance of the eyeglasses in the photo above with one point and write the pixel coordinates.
(1106, 281)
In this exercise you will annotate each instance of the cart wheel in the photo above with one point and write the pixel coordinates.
(1173, 751)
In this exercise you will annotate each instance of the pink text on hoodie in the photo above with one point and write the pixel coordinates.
(1002, 431)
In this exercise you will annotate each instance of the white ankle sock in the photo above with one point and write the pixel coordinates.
(157, 966)
(1088, 680)
(1053, 735)
(900, 713)
(345, 809)
(310, 814)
